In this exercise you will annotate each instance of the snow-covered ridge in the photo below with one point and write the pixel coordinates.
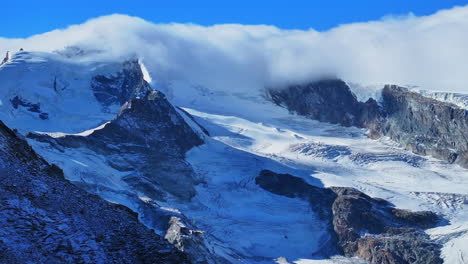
(81, 134)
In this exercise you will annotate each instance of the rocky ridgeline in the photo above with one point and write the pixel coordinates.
(46, 219)
(326, 101)
(424, 125)
(421, 124)
(361, 226)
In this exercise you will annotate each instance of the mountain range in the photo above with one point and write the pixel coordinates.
(102, 163)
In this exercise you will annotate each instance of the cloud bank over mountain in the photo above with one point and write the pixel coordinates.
(429, 51)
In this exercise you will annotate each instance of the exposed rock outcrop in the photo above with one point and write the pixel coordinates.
(190, 241)
(6, 59)
(423, 125)
(31, 107)
(366, 227)
(148, 140)
(328, 101)
(46, 219)
(122, 86)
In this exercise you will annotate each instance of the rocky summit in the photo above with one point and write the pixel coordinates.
(147, 141)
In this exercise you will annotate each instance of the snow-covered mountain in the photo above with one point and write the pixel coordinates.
(245, 175)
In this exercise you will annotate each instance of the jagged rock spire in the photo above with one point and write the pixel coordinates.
(6, 59)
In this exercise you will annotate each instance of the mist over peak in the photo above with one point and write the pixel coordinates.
(428, 51)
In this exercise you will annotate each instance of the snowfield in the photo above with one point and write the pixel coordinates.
(59, 86)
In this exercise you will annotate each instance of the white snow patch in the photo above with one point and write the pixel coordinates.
(81, 134)
(90, 131)
(333, 260)
(79, 163)
(173, 210)
(146, 74)
(364, 92)
(145, 199)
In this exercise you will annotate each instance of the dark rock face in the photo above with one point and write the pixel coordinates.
(46, 219)
(124, 85)
(17, 101)
(425, 126)
(6, 59)
(362, 226)
(420, 124)
(328, 101)
(293, 187)
(148, 140)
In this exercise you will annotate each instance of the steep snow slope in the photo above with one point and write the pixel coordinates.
(52, 92)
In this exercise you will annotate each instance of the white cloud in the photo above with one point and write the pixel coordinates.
(429, 51)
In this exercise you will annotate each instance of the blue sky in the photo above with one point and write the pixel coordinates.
(28, 17)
